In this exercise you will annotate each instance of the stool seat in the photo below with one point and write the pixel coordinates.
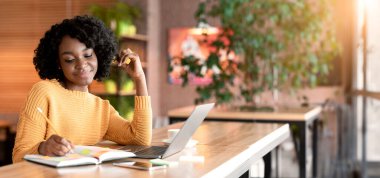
(4, 124)
(6, 144)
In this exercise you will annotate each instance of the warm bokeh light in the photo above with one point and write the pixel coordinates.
(201, 31)
(362, 6)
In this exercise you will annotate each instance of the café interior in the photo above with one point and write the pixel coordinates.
(306, 69)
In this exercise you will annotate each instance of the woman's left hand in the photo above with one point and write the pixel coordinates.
(131, 63)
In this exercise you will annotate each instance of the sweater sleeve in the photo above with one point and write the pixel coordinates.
(136, 132)
(31, 127)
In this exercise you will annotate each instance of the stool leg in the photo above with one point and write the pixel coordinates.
(245, 175)
(267, 165)
(315, 148)
(9, 142)
(277, 149)
(303, 150)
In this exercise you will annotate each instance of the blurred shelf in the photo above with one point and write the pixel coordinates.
(138, 37)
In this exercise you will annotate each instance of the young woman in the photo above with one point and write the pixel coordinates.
(68, 58)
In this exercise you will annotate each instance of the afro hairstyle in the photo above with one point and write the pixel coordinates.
(88, 30)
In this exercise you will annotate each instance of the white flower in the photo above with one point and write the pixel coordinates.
(203, 70)
(216, 69)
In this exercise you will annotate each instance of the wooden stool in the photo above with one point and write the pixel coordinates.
(6, 143)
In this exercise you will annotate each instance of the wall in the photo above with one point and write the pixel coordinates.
(19, 35)
(23, 23)
(174, 13)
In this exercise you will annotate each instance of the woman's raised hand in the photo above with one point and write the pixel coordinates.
(131, 63)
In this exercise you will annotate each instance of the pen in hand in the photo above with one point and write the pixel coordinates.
(52, 126)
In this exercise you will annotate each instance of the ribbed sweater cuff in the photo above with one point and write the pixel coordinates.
(34, 150)
(20, 155)
(142, 102)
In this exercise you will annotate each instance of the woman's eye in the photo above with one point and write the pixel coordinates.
(88, 55)
(69, 60)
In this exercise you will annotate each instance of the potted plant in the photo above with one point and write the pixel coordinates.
(280, 45)
(119, 17)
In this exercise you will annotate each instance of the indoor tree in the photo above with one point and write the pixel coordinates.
(280, 45)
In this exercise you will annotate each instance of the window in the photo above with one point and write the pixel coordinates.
(371, 87)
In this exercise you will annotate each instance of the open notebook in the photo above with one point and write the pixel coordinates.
(83, 155)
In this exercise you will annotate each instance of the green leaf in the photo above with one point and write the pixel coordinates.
(212, 60)
(325, 69)
(284, 9)
(313, 80)
(200, 11)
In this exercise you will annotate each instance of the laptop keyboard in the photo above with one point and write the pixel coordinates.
(153, 150)
(145, 150)
(134, 148)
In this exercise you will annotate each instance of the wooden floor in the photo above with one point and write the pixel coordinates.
(373, 170)
(289, 165)
(329, 162)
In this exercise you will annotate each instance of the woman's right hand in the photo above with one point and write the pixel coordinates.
(130, 62)
(55, 146)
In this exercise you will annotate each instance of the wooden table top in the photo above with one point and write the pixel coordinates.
(282, 114)
(228, 149)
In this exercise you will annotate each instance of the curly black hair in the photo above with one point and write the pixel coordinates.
(90, 31)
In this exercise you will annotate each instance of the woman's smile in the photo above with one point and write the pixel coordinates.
(83, 73)
(78, 63)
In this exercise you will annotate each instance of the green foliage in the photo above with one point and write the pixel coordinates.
(123, 104)
(282, 45)
(119, 13)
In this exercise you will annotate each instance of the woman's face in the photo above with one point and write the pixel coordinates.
(78, 63)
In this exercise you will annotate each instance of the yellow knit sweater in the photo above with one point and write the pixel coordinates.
(80, 117)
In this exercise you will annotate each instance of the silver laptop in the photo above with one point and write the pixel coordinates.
(179, 141)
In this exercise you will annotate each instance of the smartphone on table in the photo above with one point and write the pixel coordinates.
(139, 165)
